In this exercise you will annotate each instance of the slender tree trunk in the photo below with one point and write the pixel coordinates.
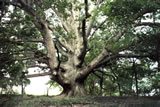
(158, 59)
(118, 83)
(47, 91)
(91, 88)
(136, 79)
(119, 89)
(22, 89)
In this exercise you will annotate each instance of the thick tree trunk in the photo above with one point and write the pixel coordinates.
(71, 84)
(75, 89)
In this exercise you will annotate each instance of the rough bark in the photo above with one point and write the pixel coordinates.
(75, 89)
(72, 86)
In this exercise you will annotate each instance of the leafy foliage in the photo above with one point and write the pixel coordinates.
(127, 29)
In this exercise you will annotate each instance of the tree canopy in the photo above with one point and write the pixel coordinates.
(76, 39)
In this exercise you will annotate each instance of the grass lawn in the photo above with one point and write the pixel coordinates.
(46, 101)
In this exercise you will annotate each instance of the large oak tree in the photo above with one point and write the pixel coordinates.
(77, 36)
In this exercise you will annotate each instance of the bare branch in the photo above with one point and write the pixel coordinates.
(42, 25)
(62, 51)
(59, 61)
(104, 73)
(119, 35)
(38, 75)
(91, 22)
(116, 37)
(27, 8)
(133, 55)
(16, 59)
(65, 44)
(98, 27)
(89, 28)
(157, 24)
(107, 61)
(39, 66)
(101, 56)
(64, 23)
(87, 70)
(36, 41)
(144, 11)
(10, 53)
